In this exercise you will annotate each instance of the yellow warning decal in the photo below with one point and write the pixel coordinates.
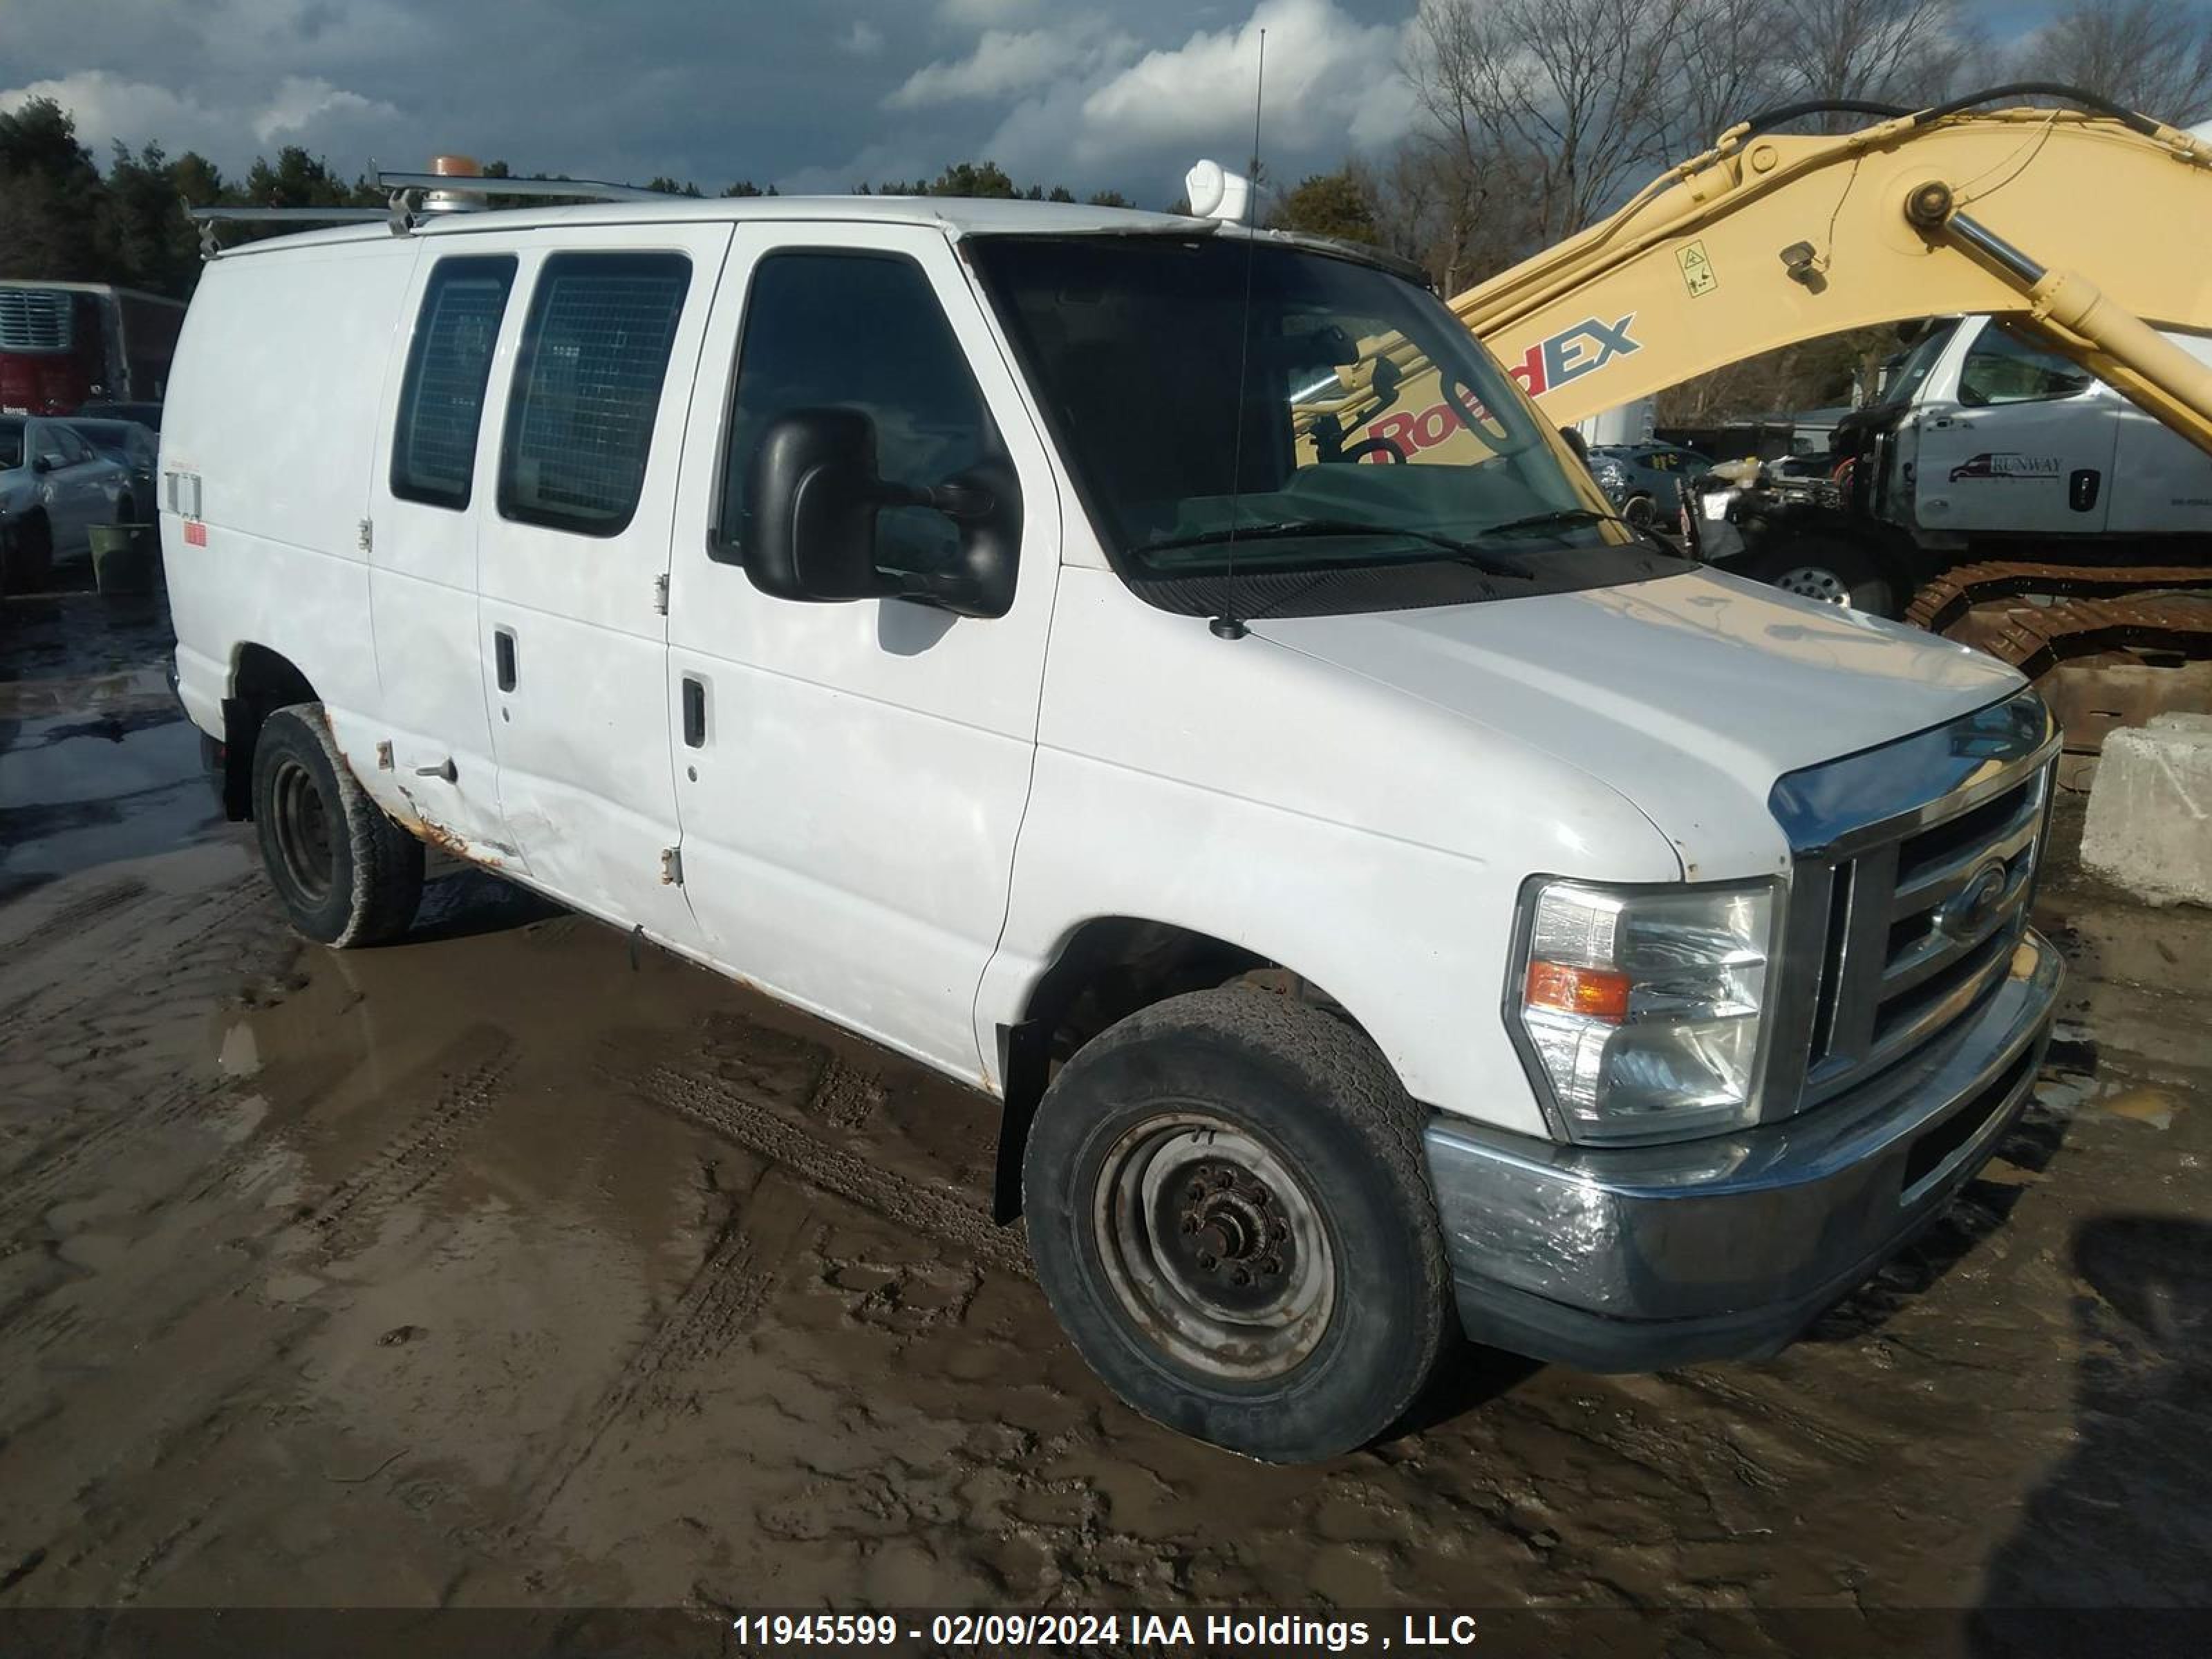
(1696, 269)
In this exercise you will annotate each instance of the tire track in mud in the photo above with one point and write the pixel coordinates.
(77, 916)
(846, 1096)
(716, 1106)
(42, 1177)
(472, 1070)
(733, 1282)
(205, 914)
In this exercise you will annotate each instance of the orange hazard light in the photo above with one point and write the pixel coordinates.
(1594, 993)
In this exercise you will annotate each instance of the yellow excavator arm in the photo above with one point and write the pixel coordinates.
(2087, 229)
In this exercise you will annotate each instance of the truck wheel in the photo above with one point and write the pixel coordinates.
(346, 872)
(32, 566)
(1640, 511)
(1230, 1210)
(1834, 572)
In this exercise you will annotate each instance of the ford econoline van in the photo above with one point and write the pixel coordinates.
(1394, 900)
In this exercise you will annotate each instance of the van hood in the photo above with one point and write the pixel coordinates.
(1690, 694)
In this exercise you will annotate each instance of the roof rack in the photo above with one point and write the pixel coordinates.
(407, 206)
(474, 184)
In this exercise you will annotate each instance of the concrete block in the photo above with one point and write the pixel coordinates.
(2149, 825)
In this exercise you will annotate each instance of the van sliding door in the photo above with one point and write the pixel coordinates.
(573, 546)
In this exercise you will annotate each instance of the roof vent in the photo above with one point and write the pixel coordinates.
(1217, 193)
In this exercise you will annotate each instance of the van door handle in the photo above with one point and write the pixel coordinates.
(695, 713)
(502, 647)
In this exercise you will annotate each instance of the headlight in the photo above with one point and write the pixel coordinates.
(1642, 1006)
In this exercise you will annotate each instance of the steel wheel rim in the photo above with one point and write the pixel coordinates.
(1185, 1188)
(1641, 512)
(1814, 581)
(302, 825)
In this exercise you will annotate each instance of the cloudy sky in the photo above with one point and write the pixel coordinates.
(811, 94)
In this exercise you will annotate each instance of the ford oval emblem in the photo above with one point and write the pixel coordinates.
(1963, 915)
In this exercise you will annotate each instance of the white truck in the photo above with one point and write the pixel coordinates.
(1983, 444)
(1391, 901)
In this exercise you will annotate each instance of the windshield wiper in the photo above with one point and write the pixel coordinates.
(1289, 528)
(1565, 515)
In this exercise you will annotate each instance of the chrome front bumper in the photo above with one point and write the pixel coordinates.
(1641, 1258)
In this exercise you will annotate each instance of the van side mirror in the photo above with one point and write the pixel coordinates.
(45, 461)
(814, 496)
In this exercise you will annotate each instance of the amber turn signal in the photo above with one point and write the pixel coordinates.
(1594, 993)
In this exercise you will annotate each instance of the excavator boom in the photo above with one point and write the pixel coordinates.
(2083, 227)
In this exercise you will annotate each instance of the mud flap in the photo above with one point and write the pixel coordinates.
(241, 724)
(1022, 1063)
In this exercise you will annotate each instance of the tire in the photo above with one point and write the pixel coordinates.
(1640, 511)
(32, 568)
(1833, 571)
(1268, 1139)
(347, 874)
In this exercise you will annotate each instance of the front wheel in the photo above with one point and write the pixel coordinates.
(1833, 571)
(347, 874)
(1640, 511)
(1230, 1210)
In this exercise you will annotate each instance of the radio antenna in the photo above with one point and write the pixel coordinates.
(1226, 625)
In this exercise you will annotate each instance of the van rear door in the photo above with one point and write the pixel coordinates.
(573, 545)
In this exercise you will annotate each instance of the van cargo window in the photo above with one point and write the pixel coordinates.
(586, 388)
(434, 448)
(865, 332)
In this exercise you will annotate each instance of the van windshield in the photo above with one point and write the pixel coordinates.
(1378, 459)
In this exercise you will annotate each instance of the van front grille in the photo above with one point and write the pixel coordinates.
(1926, 924)
(1902, 921)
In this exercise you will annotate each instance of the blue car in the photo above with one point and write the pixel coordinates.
(1645, 480)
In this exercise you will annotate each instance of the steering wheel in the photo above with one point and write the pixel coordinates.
(1367, 446)
(1462, 401)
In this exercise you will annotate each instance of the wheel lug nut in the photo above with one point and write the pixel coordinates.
(1273, 1264)
(1190, 1223)
(1261, 1196)
(1240, 1277)
(1208, 1261)
(1279, 1231)
(1224, 1179)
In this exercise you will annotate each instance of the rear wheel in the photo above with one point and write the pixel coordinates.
(1832, 571)
(31, 559)
(347, 874)
(1230, 1210)
(1640, 511)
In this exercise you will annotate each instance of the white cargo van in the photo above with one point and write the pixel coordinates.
(1392, 900)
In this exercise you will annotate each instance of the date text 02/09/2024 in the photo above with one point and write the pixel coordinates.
(1206, 1631)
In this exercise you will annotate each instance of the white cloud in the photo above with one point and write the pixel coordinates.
(1005, 62)
(982, 14)
(1327, 72)
(862, 39)
(1142, 118)
(301, 109)
(303, 103)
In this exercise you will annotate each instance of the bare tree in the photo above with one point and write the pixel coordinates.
(1566, 98)
(1723, 62)
(2151, 55)
(1909, 53)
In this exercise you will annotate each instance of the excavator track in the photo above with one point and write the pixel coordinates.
(2110, 645)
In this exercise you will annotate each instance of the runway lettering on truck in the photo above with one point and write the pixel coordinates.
(1585, 348)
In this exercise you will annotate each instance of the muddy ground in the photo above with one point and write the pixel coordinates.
(496, 1268)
